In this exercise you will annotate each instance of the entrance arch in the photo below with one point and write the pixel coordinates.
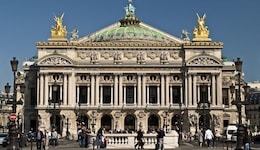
(55, 121)
(153, 123)
(129, 123)
(83, 119)
(106, 122)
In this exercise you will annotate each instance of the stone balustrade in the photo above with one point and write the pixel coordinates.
(126, 140)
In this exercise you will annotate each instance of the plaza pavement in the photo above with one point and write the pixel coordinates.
(73, 145)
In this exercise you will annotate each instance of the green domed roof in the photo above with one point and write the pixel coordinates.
(129, 33)
(130, 29)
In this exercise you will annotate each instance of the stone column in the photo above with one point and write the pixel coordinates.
(46, 87)
(135, 95)
(219, 88)
(162, 91)
(194, 89)
(41, 89)
(190, 90)
(112, 95)
(101, 95)
(139, 89)
(120, 90)
(167, 90)
(143, 90)
(88, 97)
(115, 90)
(213, 76)
(92, 100)
(65, 85)
(71, 100)
(158, 95)
(77, 87)
(97, 90)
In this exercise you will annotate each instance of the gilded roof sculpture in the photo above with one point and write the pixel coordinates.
(58, 30)
(201, 31)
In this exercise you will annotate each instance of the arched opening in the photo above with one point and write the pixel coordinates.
(129, 123)
(106, 122)
(204, 121)
(153, 123)
(56, 123)
(176, 122)
(83, 120)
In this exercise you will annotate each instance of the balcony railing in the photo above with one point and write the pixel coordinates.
(120, 141)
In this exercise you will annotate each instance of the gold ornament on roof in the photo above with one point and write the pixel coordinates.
(58, 30)
(201, 31)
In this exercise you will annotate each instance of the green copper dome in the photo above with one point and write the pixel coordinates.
(129, 30)
(129, 33)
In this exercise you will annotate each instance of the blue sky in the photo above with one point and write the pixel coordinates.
(235, 23)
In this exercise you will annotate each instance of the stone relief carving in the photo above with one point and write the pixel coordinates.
(106, 55)
(94, 57)
(117, 57)
(130, 55)
(175, 54)
(83, 55)
(164, 58)
(152, 55)
(140, 58)
(56, 60)
(203, 61)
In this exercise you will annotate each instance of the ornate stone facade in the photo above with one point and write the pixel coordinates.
(142, 81)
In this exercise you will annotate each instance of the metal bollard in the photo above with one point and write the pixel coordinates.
(93, 143)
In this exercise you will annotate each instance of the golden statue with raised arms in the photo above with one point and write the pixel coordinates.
(201, 31)
(58, 30)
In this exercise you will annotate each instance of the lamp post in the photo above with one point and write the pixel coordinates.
(67, 129)
(12, 126)
(238, 103)
(55, 100)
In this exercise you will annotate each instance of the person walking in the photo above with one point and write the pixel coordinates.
(160, 135)
(200, 137)
(247, 139)
(54, 138)
(140, 142)
(99, 137)
(209, 137)
(39, 139)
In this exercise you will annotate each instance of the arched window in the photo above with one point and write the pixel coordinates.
(106, 121)
(130, 123)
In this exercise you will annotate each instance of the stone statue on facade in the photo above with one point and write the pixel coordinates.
(74, 35)
(58, 30)
(185, 35)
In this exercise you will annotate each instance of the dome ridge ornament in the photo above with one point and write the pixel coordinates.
(58, 31)
(130, 18)
(201, 32)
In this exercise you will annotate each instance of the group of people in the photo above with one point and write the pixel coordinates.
(43, 139)
(140, 139)
(209, 137)
(82, 135)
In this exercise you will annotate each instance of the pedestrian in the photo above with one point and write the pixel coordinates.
(160, 135)
(140, 142)
(209, 137)
(247, 139)
(200, 137)
(54, 138)
(39, 139)
(46, 140)
(99, 137)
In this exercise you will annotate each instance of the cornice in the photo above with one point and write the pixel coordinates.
(107, 44)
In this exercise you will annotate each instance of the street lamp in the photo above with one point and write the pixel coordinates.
(55, 100)
(238, 103)
(12, 126)
(67, 131)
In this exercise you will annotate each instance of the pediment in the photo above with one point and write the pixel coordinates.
(55, 60)
(204, 60)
